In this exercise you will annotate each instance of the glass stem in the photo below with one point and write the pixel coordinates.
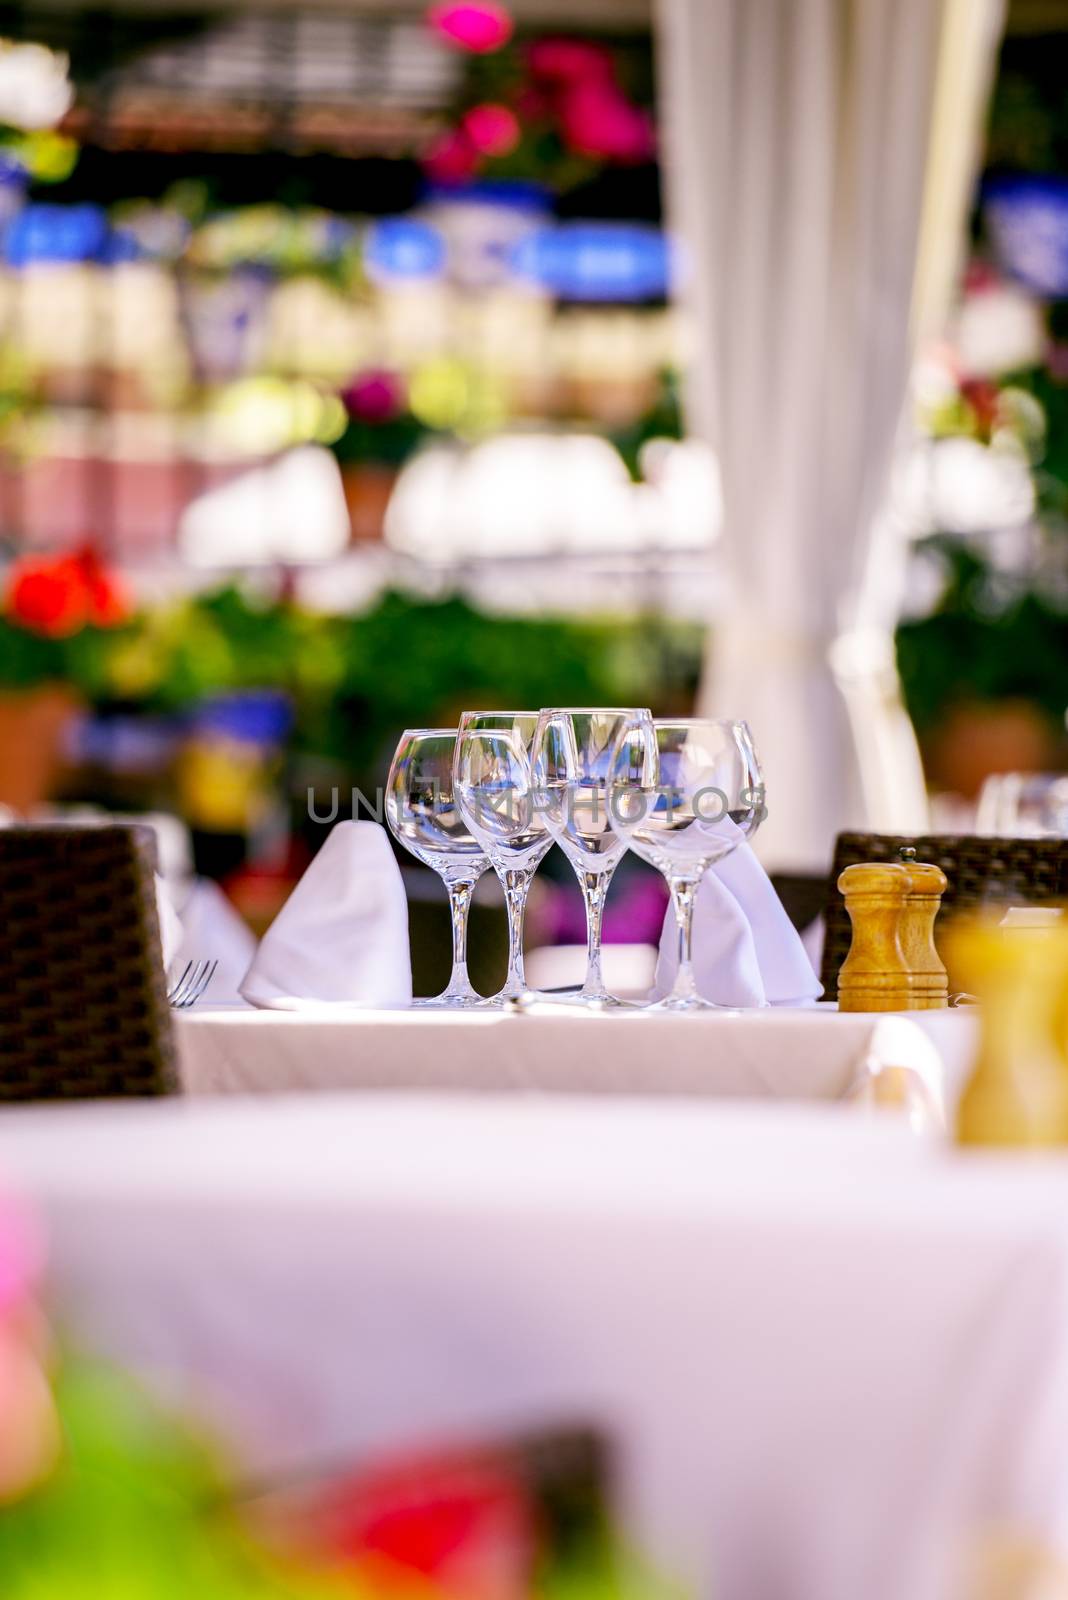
(594, 889)
(683, 895)
(459, 908)
(516, 883)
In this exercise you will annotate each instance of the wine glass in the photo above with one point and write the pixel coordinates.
(495, 791)
(572, 758)
(1024, 805)
(684, 795)
(422, 813)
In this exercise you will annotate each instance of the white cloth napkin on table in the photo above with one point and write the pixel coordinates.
(212, 930)
(746, 951)
(170, 925)
(343, 933)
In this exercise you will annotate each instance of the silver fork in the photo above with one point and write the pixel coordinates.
(191, 985)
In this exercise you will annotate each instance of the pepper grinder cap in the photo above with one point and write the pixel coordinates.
(875, 877)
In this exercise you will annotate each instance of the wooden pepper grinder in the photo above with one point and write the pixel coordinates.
(928, 979)
(875, 975)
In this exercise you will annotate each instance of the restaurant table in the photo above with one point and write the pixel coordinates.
(833, 1357)
(804, 1052)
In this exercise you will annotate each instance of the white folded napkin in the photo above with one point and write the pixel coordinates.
(746, 951)
(170, 925)
(343, 933)
(213, 930)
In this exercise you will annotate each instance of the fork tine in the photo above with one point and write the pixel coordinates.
(182, 998)
(177, 989)
(194, 986)
(203, 979)
(191, 987)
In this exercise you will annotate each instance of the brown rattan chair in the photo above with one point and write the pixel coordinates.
(981, 871)
(83, 1002)
(803, 896)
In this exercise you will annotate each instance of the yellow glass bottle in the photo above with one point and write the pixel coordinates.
(1018, 1090)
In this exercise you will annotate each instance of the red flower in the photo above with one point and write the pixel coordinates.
(570, 60)
(598, 120)
(982, 396)
(477, 25)
(491, 129)
(451, 158)
(374, 397)
(107, 601)
(464, 1522)
(59, 596)
(47, 597)
(978, 276)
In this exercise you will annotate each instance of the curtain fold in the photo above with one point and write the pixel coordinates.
(802, 141)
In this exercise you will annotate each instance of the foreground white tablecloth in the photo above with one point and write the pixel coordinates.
(805, 1053)
(834, 1357)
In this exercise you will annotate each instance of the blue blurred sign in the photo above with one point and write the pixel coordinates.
(1027, 219)
(56, 233)
(396, 247)
(251, 716)
(616, 261)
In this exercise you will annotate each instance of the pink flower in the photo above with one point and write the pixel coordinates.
(533, 102)
(476, 25)
(29, 1431)
(21, 1254)
(570, 60)
(597, 119)
(29, 1435)
(451, 158)
(374, 397)
(491, 129)
(980, 275)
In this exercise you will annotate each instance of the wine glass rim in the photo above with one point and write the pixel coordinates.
(593, 711)
(700, 722)
(499, 714)
(417, 733)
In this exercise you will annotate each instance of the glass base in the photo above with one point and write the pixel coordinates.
(688, 1002)
(449, 1002)
(592, 1002)
(515, 999)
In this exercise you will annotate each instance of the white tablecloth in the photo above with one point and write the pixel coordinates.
(834, 1357)
(812, 1053)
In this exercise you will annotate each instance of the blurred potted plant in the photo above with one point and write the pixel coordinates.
(227, 270)
(553, 112)
(532, 121)
(983, 652)
(380, 433)
(103, 1492)
(56, 617)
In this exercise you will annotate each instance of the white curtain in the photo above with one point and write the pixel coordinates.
(820, 155)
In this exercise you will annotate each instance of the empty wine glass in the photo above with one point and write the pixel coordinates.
(422, 813)
(1024, 805)
(495, 791)
(572, 757)
(684, 795)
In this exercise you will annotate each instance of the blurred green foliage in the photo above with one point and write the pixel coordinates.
(356, 681)
(417, 664)
(139, 1508)
(974, 648)
(662, 420)
(134, 1511)
(999, 632)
